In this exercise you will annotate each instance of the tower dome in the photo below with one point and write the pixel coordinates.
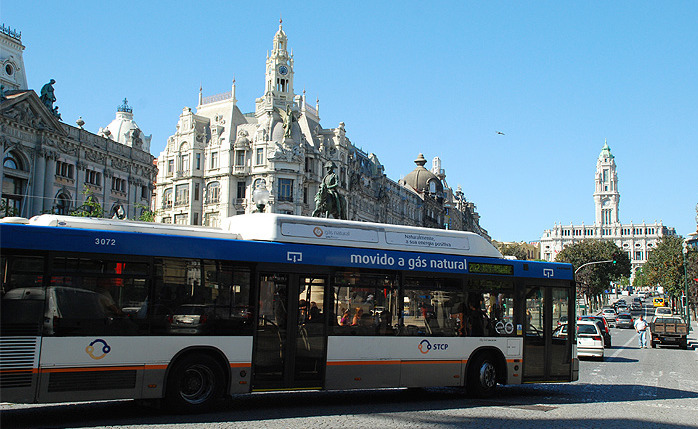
(123, 129)
(421, 179)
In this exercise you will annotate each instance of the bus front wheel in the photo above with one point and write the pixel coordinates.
(195, 384)
(482, 376)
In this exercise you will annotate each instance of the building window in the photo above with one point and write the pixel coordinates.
(93, 177)
(196, 219)
(259, 157)
(144, 192)
(170, 166)
(214, 160)
(118, 184)
(239, 157)
(12, 187)
(638, 255)
(241, 190)
(181, 219)
(167, 220)
(196, 192)
(167, 198)
(184, 164)
(63, 169)
(181, 195)
(62, 204)
(285, 190)
(211, 219)
(198, 161)
(213, 192)
(305, 195)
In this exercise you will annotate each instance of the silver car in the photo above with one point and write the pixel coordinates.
(624, 320)
(610, 315)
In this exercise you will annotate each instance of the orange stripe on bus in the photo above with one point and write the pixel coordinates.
(410, 362)
(240, 365)
(100, 368)
(365, 362)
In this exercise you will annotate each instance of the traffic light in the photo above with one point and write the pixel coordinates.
(615, 259)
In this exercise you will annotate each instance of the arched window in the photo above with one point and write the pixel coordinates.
(167, 198)
(14, 183)
(213, 192)
(62, 204)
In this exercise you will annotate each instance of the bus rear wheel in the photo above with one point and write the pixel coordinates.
(195, 384)
(482, 376)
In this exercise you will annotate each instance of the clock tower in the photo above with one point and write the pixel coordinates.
(606, 196)
(279, 75)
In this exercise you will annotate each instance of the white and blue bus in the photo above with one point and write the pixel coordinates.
(97, 309)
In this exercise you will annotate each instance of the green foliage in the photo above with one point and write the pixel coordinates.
(146, 215)
(90, 208)
(664, 266)
(7, 210)
(516, 250)
(596, 278)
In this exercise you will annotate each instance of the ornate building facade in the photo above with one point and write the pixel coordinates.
(219, 158)
(636, 239)
(50, 166)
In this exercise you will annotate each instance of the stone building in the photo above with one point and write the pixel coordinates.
(50, 166)
(636, 239)
(220, 162)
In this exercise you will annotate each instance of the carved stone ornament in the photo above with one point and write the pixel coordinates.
(95, 157)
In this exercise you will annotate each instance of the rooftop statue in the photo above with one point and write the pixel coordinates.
(47, 96)
(328, 200)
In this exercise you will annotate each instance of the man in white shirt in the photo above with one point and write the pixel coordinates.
(641, 328)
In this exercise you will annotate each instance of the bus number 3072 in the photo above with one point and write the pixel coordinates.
(105, 241)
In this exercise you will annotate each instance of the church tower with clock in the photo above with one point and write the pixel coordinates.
(606, 195)
(279, 75)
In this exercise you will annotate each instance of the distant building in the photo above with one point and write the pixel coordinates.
(532, 248)
(219, 157)
(636, 239)
(48, 165)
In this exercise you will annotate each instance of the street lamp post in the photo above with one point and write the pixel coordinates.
(692, 238)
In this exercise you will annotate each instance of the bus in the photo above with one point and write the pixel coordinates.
(99, 309)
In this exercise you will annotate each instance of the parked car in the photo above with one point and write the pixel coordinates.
(610, 315)
(636, 306)
(624, 320)
(603, 326)
(589, 340)
(562, 321)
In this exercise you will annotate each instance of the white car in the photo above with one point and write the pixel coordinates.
(589, 340)
(662, 311)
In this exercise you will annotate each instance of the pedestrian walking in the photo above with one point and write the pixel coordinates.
(641, 329)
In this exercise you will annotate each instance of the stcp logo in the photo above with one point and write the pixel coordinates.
(99, 354)
(425, 346)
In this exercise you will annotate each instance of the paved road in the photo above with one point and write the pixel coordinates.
(632, 388)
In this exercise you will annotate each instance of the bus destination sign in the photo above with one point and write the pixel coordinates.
(484, 268)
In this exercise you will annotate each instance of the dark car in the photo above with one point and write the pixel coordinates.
(624, 320)
(603, 327)
(636, 306)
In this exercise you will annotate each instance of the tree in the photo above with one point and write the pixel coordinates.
(664, 266)
(90, 208)
(594, 279)
(6, 210)
(146, 215)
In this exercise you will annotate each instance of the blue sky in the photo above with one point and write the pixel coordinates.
(440, 78)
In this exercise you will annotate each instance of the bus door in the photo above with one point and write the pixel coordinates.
(547, 348)
(290, 341)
